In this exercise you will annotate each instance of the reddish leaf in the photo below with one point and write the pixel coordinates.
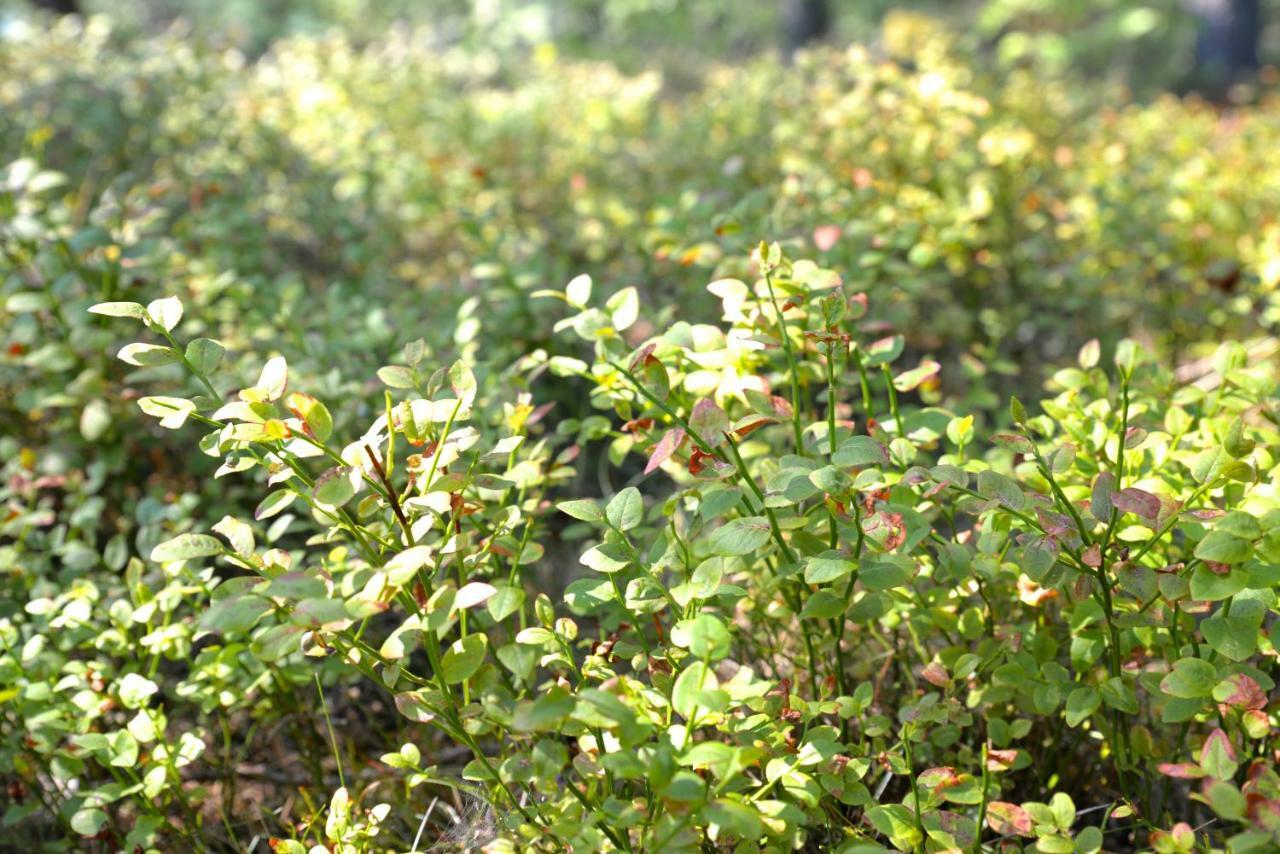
(826, 236)
(667, 445)
(1180, 770)
(1245, 693)
(935, 674)
(642, 356)
(751, 423)
(1014, 442)
(1137, 501)
(1001, 760)
(709, 421)
(939, 778)
(1009, 819)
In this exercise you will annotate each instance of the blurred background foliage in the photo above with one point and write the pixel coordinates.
(329, 180)
(1149, 45)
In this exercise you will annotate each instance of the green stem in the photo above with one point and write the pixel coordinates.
(792, 368)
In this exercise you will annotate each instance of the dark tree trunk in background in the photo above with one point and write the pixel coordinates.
(1227, 41)
(59, 7)
(804, 21)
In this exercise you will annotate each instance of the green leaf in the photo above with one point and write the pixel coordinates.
(822, 605)
(606, 558)
(1209, 586)
(504, 602)
(705, 636)
(147, 355)
(898, 823)
(1104, 486)
(463, 658)
(1017, 411)
(583, 509)
(314, 414)
(860, 451)
(734, 818)
(740, 536)
(334, 488)
(1118, 694)
(119, 309)
(405, 565)
(1223, 547)
(186, 547)
(545, 713)
(165, 312)
(239, 535)
(623, 308)
(235, 614)
(578, 291)
(1235, 638)
(1190, 678)
(883, 575)
(135, 689)
(1063, 809)
(88, 822)
(205, 355)
(397, 376)
(172, 411)
(690, 685)
(1218, 756)
(1001, 488)
(1081, 703)
(95, 419)
(274, 503)
(626, 509)
(821, 570)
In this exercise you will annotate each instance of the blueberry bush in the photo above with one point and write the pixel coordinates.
(417, 449)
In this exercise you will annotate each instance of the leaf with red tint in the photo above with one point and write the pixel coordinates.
(696, 458)
(751, 423)
(1206, 514)
(1009, 819)
(1001, 760)
(938, 778)
(1136, 501)
(709, 421)
(935, 674)
(1245, 692)
(826, 236)
(642, 356)
(667, 445)
(540, 413)
(1180, 770)
(1014, 442)
(1055, 524)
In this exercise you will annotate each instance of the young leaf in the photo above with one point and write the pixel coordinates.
(147, 355)
(165, 312)
(119, 309)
